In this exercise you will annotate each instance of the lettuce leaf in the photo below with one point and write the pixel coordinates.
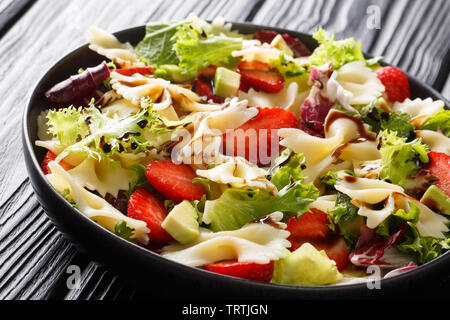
(345, 216)
(338, 52)
(293, 70)
(401, 159)
(122, 230)
(196, 49)
(239, 206)
(91, 133)
(287, 169)
(380, 120)
(157, 46)
(423, 249)
(440, 121)
(67, 124)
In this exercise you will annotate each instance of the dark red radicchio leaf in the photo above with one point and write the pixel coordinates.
(296, 45)
(78, 86)
(313, 113)
(379, 251)
(315, 108)
(406, 267)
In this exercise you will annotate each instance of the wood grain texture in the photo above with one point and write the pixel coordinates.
(33, 255)
(11, 11)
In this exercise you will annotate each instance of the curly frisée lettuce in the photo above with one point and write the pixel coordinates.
(293, 70)
(91, 133)
(239, 206)
(401, 159)
(440, 121)
(180, 49)
(339, 52)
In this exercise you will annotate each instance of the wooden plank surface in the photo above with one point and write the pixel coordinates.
(33, 255)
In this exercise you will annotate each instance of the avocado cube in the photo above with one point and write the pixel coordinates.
(436, 199)
(226, 82)
(181, 223)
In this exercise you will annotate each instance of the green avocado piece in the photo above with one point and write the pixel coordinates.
(226, 82)
(181, 223)
(436, 199)
(306, 266)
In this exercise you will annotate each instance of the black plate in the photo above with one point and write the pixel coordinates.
(154, 275)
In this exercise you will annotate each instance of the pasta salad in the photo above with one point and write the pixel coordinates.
(252, 156)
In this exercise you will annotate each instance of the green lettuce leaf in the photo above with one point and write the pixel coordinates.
(157, 46)
(423, 249)
(68, 125)
(287, 169)
(293, 70)
(122, 230)
(380, 120)
(141, 180)
(338, 52)
(196, 49)
(345, 216)
(440, 121)
(91, 133)
(329, 179)
(239, 206)
(401, 159)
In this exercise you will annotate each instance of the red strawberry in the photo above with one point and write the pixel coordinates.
(254, 139)
(131, 71)
(203, 87)
(174, 181)
(395, 82)
(49, 157)
(311, 226)
(147, 207)
(254, 65)
(297, 47)
(246, 270)
(259, 76)
(439, 167)
(208, 72)
(336, 250)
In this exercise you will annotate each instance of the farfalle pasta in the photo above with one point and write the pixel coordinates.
(252, 155)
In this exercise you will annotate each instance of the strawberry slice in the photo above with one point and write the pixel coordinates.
(254, 65)
(255, 139)
(246, 270)
(439, 167)
(203, 87)
(49, 157)
(297, 47)
(336, 250)
(260, 76)
(174, 181)
(311, 226)
(130, 71)
(149, 208)
(208, 72)
(395, 82)
(334, 247)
